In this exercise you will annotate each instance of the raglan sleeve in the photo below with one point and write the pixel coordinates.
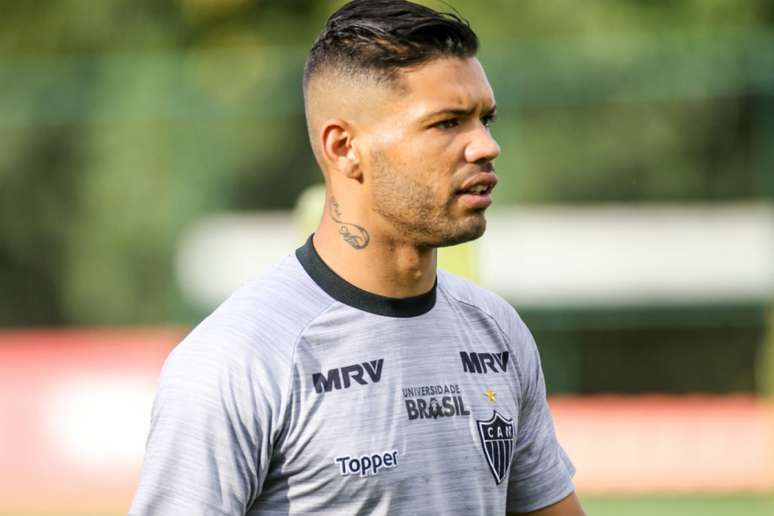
(210, 440)
(541, 472)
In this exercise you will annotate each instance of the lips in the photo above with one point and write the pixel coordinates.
(475, 192)
(480, 184)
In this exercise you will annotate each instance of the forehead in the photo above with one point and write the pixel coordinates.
(447, 83)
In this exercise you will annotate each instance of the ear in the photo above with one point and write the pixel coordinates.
(338, 150)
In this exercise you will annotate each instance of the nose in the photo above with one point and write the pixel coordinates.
(482, 147)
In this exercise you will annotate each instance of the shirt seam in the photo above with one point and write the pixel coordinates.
(289, 385)
(529, 504)
(502, 332)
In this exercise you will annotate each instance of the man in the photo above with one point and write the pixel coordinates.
(354, 378)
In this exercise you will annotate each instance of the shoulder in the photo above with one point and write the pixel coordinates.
(466, 293)
(486, 304)
(257, 327)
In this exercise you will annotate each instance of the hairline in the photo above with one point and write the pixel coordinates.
(392, 78)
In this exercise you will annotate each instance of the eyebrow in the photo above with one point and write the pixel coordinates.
(457, 112)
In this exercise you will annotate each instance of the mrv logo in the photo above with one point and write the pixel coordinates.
(434, 401)
(342, 378)
(482, 363)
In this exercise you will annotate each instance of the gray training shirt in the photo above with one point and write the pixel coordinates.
(303, 394)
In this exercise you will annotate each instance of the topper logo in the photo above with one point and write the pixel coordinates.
(368, 464)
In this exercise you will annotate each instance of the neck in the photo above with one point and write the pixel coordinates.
(375, 262)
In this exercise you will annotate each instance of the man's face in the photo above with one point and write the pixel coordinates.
(430, 154)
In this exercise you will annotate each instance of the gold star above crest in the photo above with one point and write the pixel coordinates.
(490, 395)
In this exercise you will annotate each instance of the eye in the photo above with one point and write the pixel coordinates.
(488, 120)
(449, 123)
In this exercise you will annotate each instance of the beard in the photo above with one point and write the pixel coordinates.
(419, 213)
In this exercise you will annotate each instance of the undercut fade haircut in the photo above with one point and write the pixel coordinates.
(379, 37)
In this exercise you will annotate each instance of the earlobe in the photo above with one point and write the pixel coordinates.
(350, 165)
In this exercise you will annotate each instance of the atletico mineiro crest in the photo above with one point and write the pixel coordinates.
(497, 442)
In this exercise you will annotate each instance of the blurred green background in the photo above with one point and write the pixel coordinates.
(122, 122)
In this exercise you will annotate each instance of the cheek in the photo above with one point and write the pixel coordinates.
(424, 164)
(444, 156)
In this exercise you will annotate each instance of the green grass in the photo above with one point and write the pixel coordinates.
(649, 505)
(690, 505)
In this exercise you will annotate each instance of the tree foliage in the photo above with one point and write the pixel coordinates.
(122, 121)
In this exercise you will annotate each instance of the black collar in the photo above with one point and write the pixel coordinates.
(339, 289)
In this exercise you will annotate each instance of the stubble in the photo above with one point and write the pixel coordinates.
(418, 212)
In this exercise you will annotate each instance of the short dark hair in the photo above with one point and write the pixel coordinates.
(379, 37)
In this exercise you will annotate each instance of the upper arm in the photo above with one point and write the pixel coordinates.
(569, 506)
(541, 473)
(210, 440)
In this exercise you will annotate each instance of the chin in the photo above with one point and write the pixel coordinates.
(470, 231)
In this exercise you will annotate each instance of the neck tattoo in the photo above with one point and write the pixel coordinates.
(354, 235)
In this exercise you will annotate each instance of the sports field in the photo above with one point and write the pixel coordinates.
(695, 505)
